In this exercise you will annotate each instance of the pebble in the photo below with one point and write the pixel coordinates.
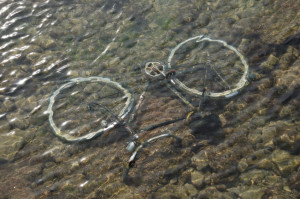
(73, 73)
(242, 165)
(39, 118)
(268, 133)
(200, 160)
(285, 162)
(255, 136)
(46, 42)
(170, 191)
(114, 62)
(190, 189)
(273, 179)
(267, 2)
(254, 176)
(17, 122)
(244, 45)
(129, 43)
(269, 64)
(9, 146)
(256, 192)
(197, 178)
(4, 126)
(33, 56)
(8, 105)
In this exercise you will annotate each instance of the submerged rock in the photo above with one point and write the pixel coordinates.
(46, 42)
(17, 122)
(197, 178)
(285, 162)
(189, 189)
(270, 63)
(242, 165)
(4, 126)
(10, 144)
(213, 192)
(254, 176)
(200, 160)
(172, 191)
(253, 192)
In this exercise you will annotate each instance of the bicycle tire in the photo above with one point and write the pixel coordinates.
(124, 111)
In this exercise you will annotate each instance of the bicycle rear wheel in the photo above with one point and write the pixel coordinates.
(208, 65)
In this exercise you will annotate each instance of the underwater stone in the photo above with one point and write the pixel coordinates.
(169, 191)
(189, 189)
(289, 141)
(8, 105)
(265, 164)
(294, 180)
(56, 32)
(230, 20)
(286, 111)
(46, 41)
(265, 83)
(255, 137)
(77, 29)
(203, 20)
(4, 127)
(213, 192)
(244, 45)
(268, 133)
(114, 45)
(186, 18)
(197, 178)
(254, 76)
(285, 82)
(20, 103)
(253, 192)
(73, 73)
(269, 64)
(9, 146)
(267, 2)
(17, 122)
(33, 56)
(38, 119)
(129, 43)
(272, 60)
(90, 88)
(256, 156)
(27, 134)
(200, 160)
(287, 188)
(242, 165)
(287, 58)
(114, 62)
(91, 48)
(273, 179)
(256, 175)
(185, 176)
(33, 49)
(285, 162)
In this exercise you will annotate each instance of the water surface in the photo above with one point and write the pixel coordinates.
(245, 146)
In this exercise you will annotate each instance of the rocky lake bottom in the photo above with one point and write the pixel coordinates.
(243, 146)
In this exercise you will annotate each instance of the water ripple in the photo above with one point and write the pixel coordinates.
(45, 43)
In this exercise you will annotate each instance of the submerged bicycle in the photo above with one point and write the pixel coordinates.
(217, 70)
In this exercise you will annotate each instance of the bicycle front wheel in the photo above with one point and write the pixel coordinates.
(84, 108)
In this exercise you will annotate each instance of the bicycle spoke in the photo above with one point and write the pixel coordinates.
(220, 77)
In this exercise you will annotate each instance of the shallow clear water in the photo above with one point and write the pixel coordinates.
(241, 146)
